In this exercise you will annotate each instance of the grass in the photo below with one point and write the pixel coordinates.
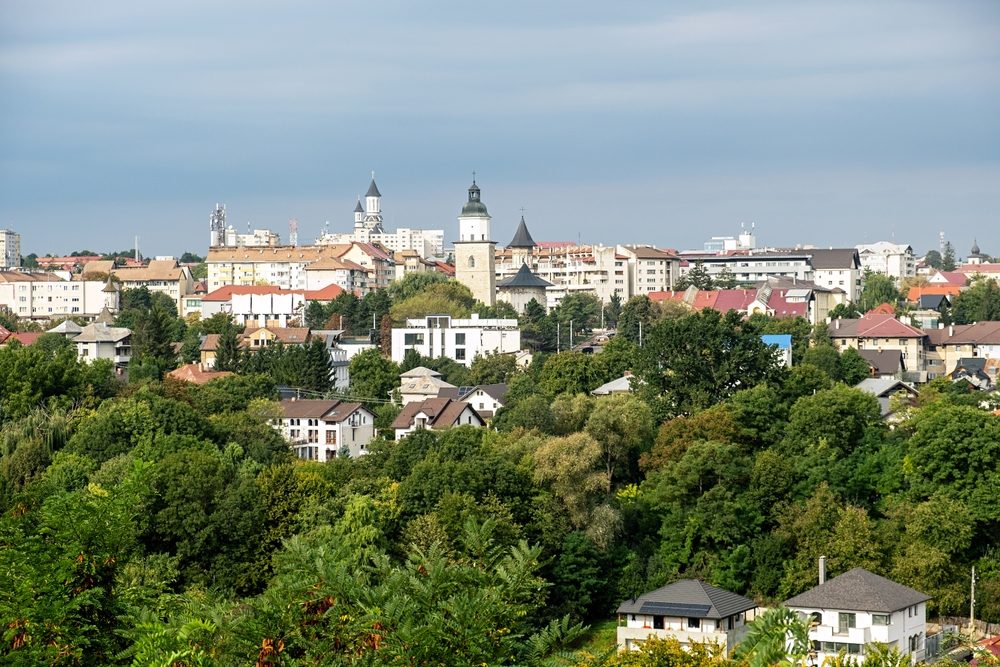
(600, 639)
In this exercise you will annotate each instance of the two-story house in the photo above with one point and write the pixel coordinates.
(100, 341)
(321, 430)
(688, 610)
(485, 398)
(435, 413)
(859, 608)
(882, 331)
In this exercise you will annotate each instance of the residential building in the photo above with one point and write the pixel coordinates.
(437, 414)
(856, 609)
(882, 331)
(974, 371)
(985, 269)
(892, 259)
(264, 305)
(884, 389)
(418, 384)
(650, 269)
(23, 337)
(40, 295)
(286, 266)
(458, 339)
(751, 266)
(777, 297)
(485, 398)
(255, 339)
(946, 345)
(689, 610)
(10, 249)
(884, 363)
(196, 374)
(321, 430)
(159, 276)
(100, 341)
(837, 268)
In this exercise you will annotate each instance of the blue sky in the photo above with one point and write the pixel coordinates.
(826, 123)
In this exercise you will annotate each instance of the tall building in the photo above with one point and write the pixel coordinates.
(475, 261)
(10, 249)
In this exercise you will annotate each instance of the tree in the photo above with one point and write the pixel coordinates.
(569, 466)
(694, 361)
(578, 313)
(639, 313)
(414, 283)
(613, 310)
(779, 636)
(227, 351)
(492, 368)
(933, 259)
(853, 367)
(878, 289)
(622, 424)
(948, 257)
(980, 302)
(724, 280)
(569, 372)
(372, 375)
(697, 277)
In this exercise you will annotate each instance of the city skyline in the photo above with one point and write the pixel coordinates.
(823, 125)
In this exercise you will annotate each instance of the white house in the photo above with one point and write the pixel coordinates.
(459, 339)
(100, 341)
(435, 413)
(321, 430)
(688, 610)
(485, 398)
(859, 608)
(419, 384)
(892, 259)
(838, 268)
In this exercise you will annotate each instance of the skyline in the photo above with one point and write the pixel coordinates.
(822, 125)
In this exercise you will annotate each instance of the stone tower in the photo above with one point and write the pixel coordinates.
(475, 260)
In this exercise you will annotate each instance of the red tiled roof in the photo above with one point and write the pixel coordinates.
(226, 292)
(932, 289)
(882, 309)
(328, 293)
(195, 374)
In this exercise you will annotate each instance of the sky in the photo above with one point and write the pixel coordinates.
(827, 123)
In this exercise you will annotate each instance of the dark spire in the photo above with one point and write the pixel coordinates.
(359, 208)
(373, 189)
(524, 278)
(522, 237)
(975, 247)
(474, 206)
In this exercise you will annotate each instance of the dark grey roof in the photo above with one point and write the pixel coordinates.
(688, 597)
(522, 237)
(933, 301)
(885, 362)
(495, 391)
(373, 190)
(359, 208)
(835, 258)
(859, 590)
(523, 278)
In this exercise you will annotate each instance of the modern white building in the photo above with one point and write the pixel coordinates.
(263, 305)
(838, 268)
(322, 430)
(689, 610)
(859, 608)
(10, 249)
(751, 266)
(892, 259)
(458, 339)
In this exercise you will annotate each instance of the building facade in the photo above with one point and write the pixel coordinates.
(892, 259)
(475, 259)
(322, 430)
(458, 339)
(10, 249)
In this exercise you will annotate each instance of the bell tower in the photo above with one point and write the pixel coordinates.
(475, 258)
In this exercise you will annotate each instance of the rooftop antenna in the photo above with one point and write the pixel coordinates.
(293, 232)
(137, 248)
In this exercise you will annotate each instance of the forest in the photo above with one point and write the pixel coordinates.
(151, 522)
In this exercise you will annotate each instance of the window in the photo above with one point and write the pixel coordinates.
(658, 622)
(694, 623)
(413, 339)
(845, 621)
(460, 354)
(472, 262)
(816, 618)
(460, 339)
(880, 619)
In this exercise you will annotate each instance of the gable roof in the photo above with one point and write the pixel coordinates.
(420, 372)
(195, 374)
(101, 333)
(496, 391)
(329, 410)
(688, 597)
(859, 590)
(441, 412)
(885, 362)
(872, 325)
(884, 387)
(835, 258)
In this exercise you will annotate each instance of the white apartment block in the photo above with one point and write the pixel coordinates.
(10, 249)
(459, 339)
(425, 242)
(651, 269)
(750, 266)
(353, 267)
(892, 259)
(44, 296)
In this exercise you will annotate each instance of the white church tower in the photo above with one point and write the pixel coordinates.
(373, 208)
(475, 259)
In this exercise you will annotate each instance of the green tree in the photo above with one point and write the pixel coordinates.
(948, 257)
(853, 367)
(372, 375)
(878, 289)
(638, 313)
(492, 368)
(569, 373)
(697, 277)
(694, 361)
(613, 310)
(623, 425)
(227, 351)
(980, 302)
(933, 259)
(779, 636)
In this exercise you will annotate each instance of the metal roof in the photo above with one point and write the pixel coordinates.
(688, 597)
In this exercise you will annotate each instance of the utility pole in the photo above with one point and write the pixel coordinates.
(972, 605)
(571, 334)
(640, 333)
(558, 337)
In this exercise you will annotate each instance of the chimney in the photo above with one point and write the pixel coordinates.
(822, 570)
(951, 330)
(837, 325)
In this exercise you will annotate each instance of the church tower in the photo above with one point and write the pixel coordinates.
(475, 259)
(373, 208)
(522, 246)
(359, 215)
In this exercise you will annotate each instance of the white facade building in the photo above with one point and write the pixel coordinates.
(10, 249)
(44, 296)
(892, 259)
(461, 340)
(752, 267)
(859, 608)
(100, 341)
(322, 430)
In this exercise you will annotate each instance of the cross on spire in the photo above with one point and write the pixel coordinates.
(522, 211)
